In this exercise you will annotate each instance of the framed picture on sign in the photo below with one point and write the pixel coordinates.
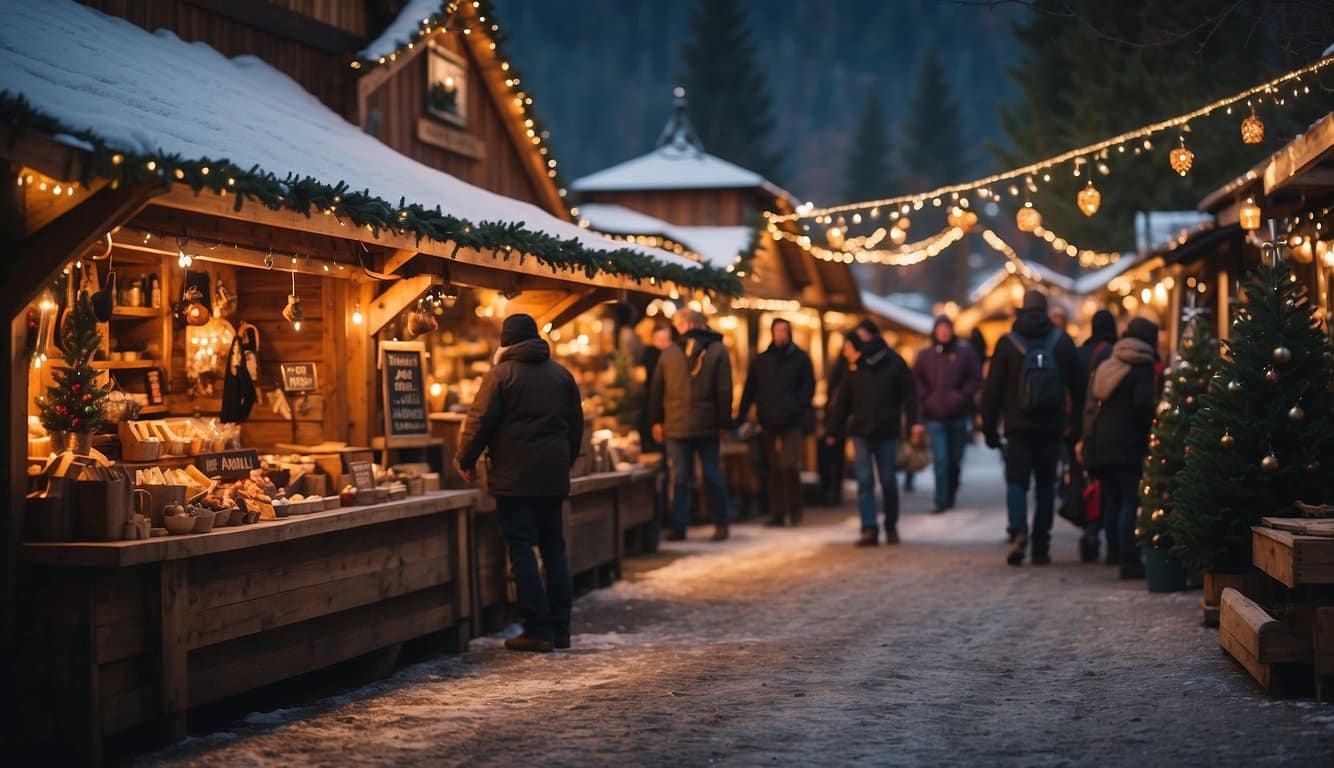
(447, 85)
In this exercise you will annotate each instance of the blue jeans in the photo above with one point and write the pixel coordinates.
(948, 439)
(681, 454)
(872, 456)
(1031, 456)
(538, 522)
(1120, 505)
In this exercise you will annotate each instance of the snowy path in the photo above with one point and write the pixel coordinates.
(792, 647)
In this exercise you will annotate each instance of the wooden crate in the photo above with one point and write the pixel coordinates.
(1216, 583)
(1260, 643)
(1292, 558)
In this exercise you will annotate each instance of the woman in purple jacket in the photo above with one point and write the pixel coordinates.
(948, 377)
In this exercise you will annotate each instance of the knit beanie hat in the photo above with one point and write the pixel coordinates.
(1143, 329)
(517, 328)
(1035, 299)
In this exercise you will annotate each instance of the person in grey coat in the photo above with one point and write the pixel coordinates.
(690, 406)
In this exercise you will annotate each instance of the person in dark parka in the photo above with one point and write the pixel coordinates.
(1034, 428)
(528, 418)
(1117, 419)
(876, 400)
(780, 385)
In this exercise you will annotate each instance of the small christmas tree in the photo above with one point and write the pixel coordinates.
(74, 402)
(1183, 387)
(1263, 438)
(622, 392)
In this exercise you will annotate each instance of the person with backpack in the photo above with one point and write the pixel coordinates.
(1097, 348)
(871, 406)
(1117, 417)
(1028, 387)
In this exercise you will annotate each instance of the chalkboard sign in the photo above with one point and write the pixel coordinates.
(363, 477)
(232, 465)
(403, 373)
(298, 377)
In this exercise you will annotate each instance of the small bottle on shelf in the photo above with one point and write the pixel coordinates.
(154, 290)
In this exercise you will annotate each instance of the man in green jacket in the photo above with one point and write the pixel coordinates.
(690, 406)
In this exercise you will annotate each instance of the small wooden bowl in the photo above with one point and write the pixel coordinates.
(178, 524)
(203, 523)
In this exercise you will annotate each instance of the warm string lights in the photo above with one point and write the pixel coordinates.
(906, 255)
(1181, 158)
(1089, 259)
(1013, 264)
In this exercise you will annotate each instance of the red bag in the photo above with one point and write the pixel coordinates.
(1093, 501)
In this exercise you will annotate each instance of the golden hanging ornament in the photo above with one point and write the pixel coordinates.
(1269, 463)
(1158, 515)
(1252, 129)
(1181, 158)
(1249, 215)
(1227, 440)
(1089, 198)
(1028, 218)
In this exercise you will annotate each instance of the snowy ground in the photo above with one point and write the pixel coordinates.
(792, 647)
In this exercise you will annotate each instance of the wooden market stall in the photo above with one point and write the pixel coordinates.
(272, 228)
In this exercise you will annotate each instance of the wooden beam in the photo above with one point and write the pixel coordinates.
(402, 293)
(282, 22)
(558, 307)
(42, 154)
(397, 259)
(1302, 154)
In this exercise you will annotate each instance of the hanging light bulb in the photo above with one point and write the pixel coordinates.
(1089, 198)
(1249, 215)
(183, 259)
(1028, 218)
(356, 314)
(898, 235)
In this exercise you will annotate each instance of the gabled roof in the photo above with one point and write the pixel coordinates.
(907, 318)
(718, 246)
(677, 162)
(150, 94)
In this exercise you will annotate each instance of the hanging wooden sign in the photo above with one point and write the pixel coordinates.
(298, 377)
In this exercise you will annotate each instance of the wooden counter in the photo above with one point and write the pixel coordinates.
(121, 635)
(638, 512)
(593, 529)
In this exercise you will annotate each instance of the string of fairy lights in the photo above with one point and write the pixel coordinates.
(1021, 183)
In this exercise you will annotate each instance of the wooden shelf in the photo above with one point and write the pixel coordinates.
(138, 313)
(148, 410)
(124, 365)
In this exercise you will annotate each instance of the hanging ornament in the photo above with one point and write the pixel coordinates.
(1158, 515)
(1248, 215)
(1089, 198)
(1269, 463)
(1234, 386)
(1271, 375)
(1296, 415)
(1313, 466)
(1227, 440)
(1181, 158)
(1157, 540)
(1252, 129)
(1028, 218)
(421, 321)
(1301, 251)
(292, 312)
(1282, 355)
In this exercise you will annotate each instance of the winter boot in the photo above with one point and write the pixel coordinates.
(1018, 544)
(561, 641)
(870, 537)
(1041, 552)
(720, 533)
(1088, 549)
(891, 535)
(528, 643)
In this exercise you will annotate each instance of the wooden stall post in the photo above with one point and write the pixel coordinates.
(174, 650)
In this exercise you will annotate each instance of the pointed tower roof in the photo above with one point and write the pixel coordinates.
(678, 161)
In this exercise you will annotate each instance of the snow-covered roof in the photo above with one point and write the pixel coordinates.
(152, 93)
(1098, 278)
(719, 246)
(1045, 276)
(402, 30)
(1155, 228)
(907, 318)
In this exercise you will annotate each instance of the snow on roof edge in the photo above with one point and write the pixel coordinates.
(402, 30)
(908, 318)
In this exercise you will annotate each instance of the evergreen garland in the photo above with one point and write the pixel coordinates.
(1184, 386)
(1263, 438)
(309, 196)
(74, 402)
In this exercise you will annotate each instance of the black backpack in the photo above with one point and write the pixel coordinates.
(1041, 391)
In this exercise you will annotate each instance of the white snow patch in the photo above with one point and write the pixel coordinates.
(673, 167)
(402, 30)
(717, 245)
(903, 316)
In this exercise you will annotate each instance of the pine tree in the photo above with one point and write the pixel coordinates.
(1184, 386)
(1263, 438)
(730, 102)
(934, 154)
(74, 402)
(869, 172)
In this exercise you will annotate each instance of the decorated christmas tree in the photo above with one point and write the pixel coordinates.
(74, 402)
(1183, 387)
(1263, 438)
(622, 393)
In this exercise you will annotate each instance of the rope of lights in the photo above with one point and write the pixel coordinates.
(1088, 258)
(1081, 155)
(906, 255)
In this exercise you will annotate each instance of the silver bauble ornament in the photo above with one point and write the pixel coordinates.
(1282, 355)
(1296, 415)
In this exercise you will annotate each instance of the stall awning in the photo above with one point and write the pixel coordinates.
(107, 86)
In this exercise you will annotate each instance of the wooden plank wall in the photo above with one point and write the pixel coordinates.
(347, 15)
(687, 207)
(401, 102)
(323, 74)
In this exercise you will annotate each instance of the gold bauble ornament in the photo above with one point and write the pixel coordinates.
(1227, 440)
(1296, 415)
(1181, 158)
(1269, 463)
(1089, 198)
(1282, 355)
(1028, 218)
(1252, 129)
